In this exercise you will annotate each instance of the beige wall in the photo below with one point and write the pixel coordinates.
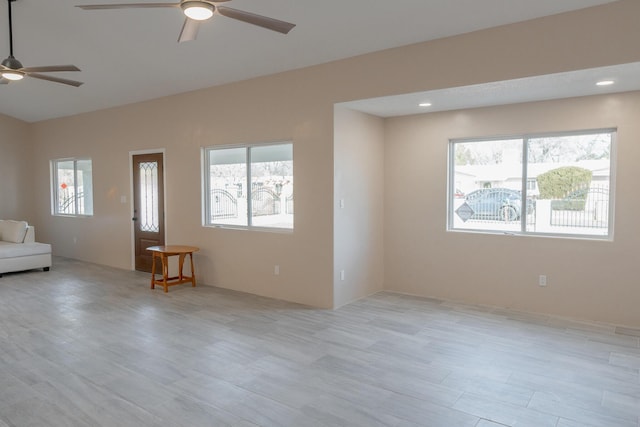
(182, 125)
(16, 175)
(358, 224)
(295, 105)
(588, 279)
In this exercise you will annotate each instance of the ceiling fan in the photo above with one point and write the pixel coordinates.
(201, 10)
(11, 69)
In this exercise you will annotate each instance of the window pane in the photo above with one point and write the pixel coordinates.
(84, 192)
(272, 186)
(487, 185)
(66, 188)
(149, 215)
(572, 174)
(227, 199)
(72, 190)
(250, 186)
(567, 184)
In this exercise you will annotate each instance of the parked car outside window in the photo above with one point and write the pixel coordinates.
(502, 204)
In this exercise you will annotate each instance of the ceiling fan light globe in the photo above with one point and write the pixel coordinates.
(12, 75)
(197, 10)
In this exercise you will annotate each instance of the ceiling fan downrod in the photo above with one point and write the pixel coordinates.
(10, 30)
(11, 63)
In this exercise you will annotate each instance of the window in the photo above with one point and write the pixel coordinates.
(72, 192)
(551, 184)
(249, 186)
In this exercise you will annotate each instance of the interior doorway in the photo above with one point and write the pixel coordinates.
(148, 206)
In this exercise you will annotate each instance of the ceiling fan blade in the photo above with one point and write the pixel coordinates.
(55, 79)
(189, 30)
(50, 69)
(126, 6)
(259, 20)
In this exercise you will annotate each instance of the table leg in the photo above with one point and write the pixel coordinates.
(165, 272)
(180, 266)
(193, 272)
(153, 270)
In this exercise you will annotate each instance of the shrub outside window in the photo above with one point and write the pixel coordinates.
(72, 191)
(550, 184)
(249, 186)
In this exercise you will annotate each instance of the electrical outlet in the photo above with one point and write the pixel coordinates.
(542, 280)
(341, 274)
(276, 270)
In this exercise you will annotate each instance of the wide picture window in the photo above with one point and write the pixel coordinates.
(249, 186)
(72, 192)
(557, 185)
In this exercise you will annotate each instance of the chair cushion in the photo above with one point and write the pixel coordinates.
(13, 231)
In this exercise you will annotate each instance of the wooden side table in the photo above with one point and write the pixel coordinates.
(164, 252)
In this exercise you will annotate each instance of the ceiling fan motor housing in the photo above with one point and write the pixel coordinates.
(12, 63)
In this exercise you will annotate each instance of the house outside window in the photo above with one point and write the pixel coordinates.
(548, 184)
(72, 187)
(249, 186)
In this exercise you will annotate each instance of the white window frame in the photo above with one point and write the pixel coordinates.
(55, 186)
(206, 188)
(523, 220)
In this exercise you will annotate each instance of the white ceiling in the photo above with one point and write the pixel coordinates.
(539, 88)
(132, 55)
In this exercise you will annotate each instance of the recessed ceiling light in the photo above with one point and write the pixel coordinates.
(424, 104)
(605, 83)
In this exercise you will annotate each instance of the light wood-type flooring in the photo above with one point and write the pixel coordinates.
(87, 345)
